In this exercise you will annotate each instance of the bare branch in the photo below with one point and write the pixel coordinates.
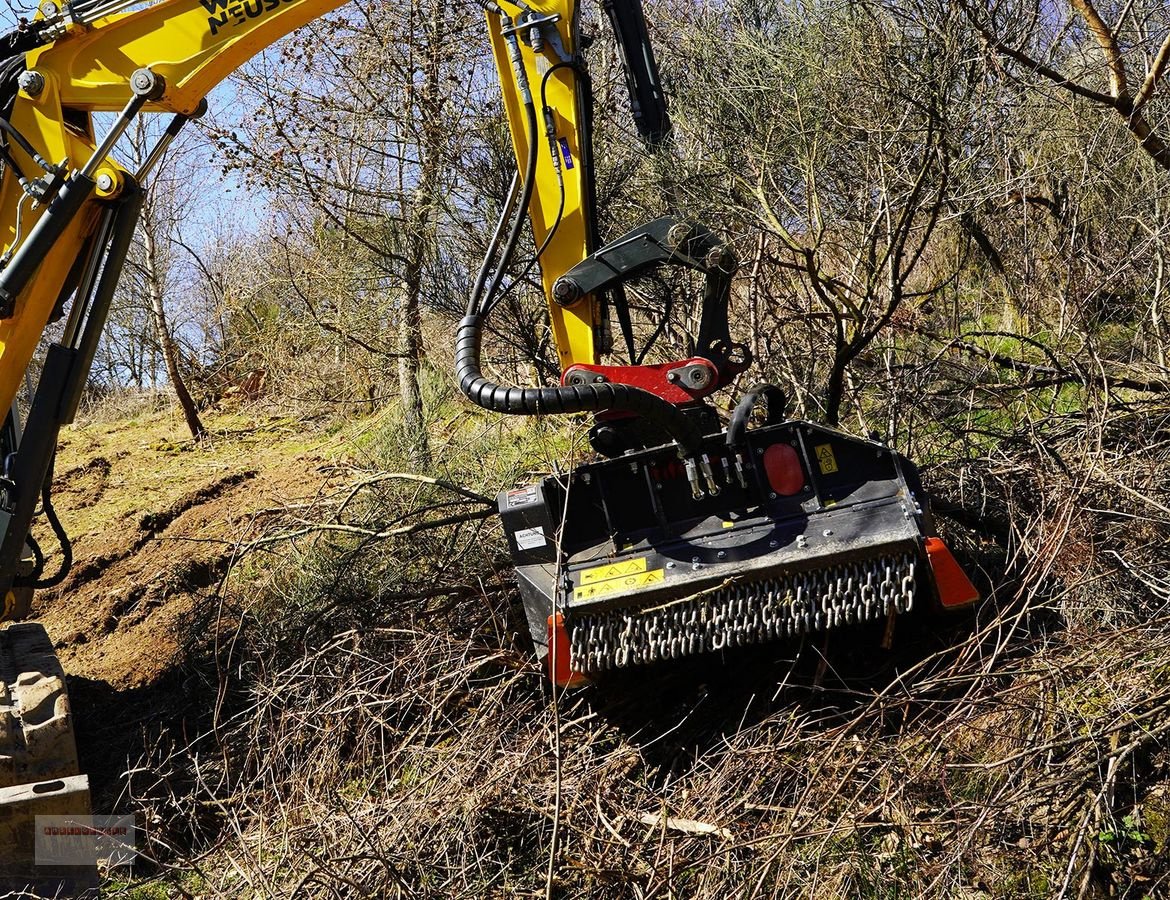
(1107, 41)
(1157, 70)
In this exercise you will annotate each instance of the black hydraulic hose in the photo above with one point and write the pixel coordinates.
(23, 143)
(475, 306)
(494, 243)
(63, 538)
(10, 160)
(34, 579)
(554, 149)
(770, 394)
(600, 397)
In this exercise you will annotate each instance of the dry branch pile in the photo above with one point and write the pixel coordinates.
(416, 751)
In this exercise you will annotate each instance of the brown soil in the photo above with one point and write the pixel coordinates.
(156, 523)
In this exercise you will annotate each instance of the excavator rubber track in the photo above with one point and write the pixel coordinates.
(39, 772)
(800, 529)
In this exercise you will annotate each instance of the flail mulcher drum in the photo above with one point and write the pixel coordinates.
(795, 528)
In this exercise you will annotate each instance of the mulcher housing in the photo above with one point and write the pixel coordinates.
(623, 562)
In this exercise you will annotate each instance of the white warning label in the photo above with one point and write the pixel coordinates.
(530, 538)
(522, 497)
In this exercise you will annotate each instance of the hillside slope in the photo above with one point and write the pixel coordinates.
(355, 713)
(156, 522)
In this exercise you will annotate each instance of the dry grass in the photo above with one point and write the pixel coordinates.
(369, 745)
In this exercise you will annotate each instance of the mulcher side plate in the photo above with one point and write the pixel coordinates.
(829, 530)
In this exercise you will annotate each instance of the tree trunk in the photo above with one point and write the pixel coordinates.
(154, 289)
(422, 227)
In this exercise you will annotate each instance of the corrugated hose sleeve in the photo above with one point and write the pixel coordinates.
(567, 399)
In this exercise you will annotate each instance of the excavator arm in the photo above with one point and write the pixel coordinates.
(692, 538)
(67, 215)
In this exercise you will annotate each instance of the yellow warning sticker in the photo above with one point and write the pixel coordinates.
(727, 524)
(633, 582)
(613, 570)
(825, 459)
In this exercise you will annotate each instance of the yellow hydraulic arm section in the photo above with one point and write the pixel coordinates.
(68, 209)
(192, 45)
(560, 200)
(89, 68)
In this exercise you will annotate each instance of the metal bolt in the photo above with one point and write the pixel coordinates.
(694, 559)
(772, 495)
(599, 379)
(722, 554)
(677, 234)
(773, 544)
(105, 182)
(146, 83)
(31, 82)
(672, 376)
(565, 290)
(828, 532)
(49, 10)
(696, 566)
(670, 565)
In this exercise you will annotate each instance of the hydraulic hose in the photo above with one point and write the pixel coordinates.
(770, 394)
(494, 243)
(62, 536)
(477, 303)
(601, 397)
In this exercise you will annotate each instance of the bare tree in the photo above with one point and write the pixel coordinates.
(1138, 40)
(152, 262)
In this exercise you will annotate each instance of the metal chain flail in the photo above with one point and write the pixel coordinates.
(743, 614)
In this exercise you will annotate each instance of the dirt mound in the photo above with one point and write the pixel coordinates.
(156, 525)
(85, 483)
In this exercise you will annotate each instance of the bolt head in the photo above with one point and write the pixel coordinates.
(105, 182)
(828, 532)
(722, 554)
(31, 82)
(565, 290)
(146, 83)
(48, 10)
(772, 495)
